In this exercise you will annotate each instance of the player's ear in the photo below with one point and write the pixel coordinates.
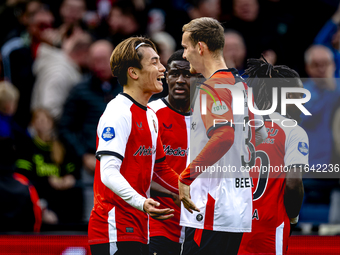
(133, 73)
(201, 47)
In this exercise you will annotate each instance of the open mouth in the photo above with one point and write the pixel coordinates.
(159, 79)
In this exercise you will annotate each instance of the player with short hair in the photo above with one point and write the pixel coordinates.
(217, 209)
(277, 195)
(130, 154)
(173, 113)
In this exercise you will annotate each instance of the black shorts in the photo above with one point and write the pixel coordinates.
(161, 245)
(119, 248)
(206, 242)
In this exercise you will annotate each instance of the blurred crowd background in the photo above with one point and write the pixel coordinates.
(56, 82)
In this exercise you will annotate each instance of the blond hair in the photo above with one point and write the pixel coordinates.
(8, 93)
(207, 30)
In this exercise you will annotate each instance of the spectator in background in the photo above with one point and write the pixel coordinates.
(72, 12)
(82, 110)
(246, 19)
(234, 50)
(57, 71)
(9, 96)
(20, 209)
(330, 37)
(204, 8)
(71, 15)
(165, 45)
(18, 60)
(43, 160)
(325, 94)
(124, 21)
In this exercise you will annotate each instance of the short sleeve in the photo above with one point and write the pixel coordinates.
(218, 109)
(113, 132)
(297, 147)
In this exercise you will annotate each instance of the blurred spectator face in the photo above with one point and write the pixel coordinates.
(210, 8)
(72, 11)
(119, 22)
(336, 40)
(165, 44)
(100, 53)
(42, 121)
(164, 53)
(77, 47)
(31, 8)
(9, 96)
(234, 50)
(319, 62)
(246, 10)
(41, 20)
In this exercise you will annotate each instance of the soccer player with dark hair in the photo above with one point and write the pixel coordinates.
(217, 209)
(277, 195)
(173, 113)
(130, 154)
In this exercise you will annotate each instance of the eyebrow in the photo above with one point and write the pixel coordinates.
(157, 58)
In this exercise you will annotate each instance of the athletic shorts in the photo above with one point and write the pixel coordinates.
(206, 242)
(119, 248)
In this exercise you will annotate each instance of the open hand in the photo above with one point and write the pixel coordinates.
(184, 196)
(159, 214)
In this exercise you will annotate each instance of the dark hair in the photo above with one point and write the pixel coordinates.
(126, 55)
(263, 77)
(176, 56)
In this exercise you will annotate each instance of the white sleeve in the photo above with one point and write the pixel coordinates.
(113, 131)
(260, 129)
(260, 135)
(114, 180)
(297, 147)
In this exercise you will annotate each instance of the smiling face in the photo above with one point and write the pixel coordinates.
(152, 71)
(178, 79)
(190, 52)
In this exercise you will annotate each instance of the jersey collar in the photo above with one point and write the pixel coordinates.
(134, 101)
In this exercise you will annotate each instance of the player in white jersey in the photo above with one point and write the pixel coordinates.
(215, 193)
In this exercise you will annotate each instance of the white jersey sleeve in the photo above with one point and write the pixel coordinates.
(112, 178)
(113, 131)
(297, 147)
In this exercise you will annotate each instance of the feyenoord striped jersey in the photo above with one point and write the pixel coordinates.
(128, 131)
(285, 146)
(223, 196)
(174, 129)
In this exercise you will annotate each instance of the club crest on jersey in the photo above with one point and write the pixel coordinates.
(108, 133)
(303, 148)
(219, 109)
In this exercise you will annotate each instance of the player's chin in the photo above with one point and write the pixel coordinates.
(158, 88)
(192, 70)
